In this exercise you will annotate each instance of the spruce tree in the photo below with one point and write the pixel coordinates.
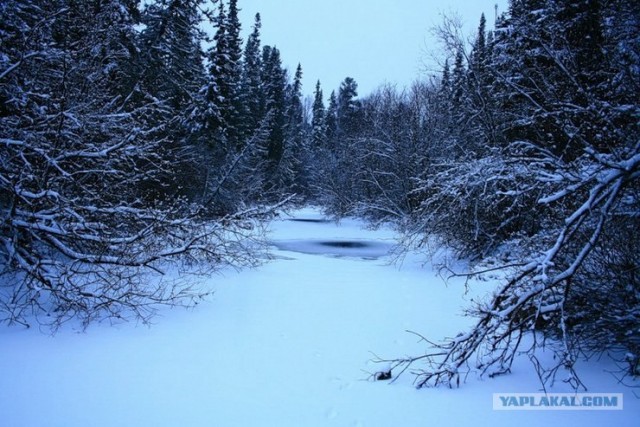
(348, 108)
(331, 120)
(237, 130)
(295, 149)
(479, 81)
(235, 41)
(219, 88)
(445, 80)
(252, 88)
(458, 81)
(171, 62)
(274, 80)
(225, 74)
(294, 107)
(171, 74)
(318, 126)
(478, 58)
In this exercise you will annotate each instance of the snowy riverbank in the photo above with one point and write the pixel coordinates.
(286, 344)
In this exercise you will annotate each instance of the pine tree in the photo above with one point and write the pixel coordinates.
(295, 149)
(331, 121)
(445, 80)
(458, 80)
(252, 88)
(235, 120)
(274, 80)
(219, 87)
(225, 74)
(478, 57)
(171, 62)
(318, 125)
(348, 108)
(171, 74)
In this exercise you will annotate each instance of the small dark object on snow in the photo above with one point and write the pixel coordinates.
(383, 376)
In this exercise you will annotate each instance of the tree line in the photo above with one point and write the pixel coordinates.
(524, 153)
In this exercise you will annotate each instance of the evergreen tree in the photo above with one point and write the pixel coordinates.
(171, 62)
(24, 91)
(480, 80)
(171, 75)
(225, 74)
(219, 87)
(274, 81)
(295, 149)
(478, 58)
(348, 108)
(252, 88)
(238, 112)
(318, 126)
(553, 59)
(580, 25)
(294, 105)
(331, 121)
(235, 41)
(519, 9)
(458, 80)
(445, 80)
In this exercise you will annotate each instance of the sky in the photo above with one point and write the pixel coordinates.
(373, 41)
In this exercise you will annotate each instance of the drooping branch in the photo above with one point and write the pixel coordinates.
(536, 291)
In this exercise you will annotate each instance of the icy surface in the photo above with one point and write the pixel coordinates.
(287, 344)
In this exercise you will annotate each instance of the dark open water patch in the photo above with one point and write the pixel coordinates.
(365, 249)
(311, 220)
(345, 244)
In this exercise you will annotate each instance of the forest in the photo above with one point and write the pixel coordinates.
(132, 142)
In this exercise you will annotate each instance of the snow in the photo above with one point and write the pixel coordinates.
(289, 343)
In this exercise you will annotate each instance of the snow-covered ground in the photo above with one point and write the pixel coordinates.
(287, 344)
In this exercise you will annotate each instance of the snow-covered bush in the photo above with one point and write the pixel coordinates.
(603, 302)
(475, 205)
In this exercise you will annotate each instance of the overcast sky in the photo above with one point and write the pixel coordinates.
(373, 41)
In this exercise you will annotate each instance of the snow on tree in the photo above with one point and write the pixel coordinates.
(275, 81)
(88, 223)
(318, 120)
(252, 80)
(559, 187)
(295, 155)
